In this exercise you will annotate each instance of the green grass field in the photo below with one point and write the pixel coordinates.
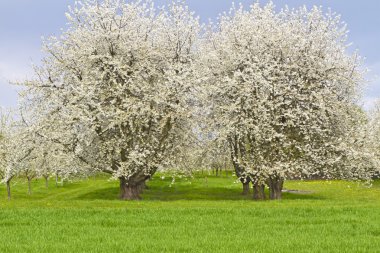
(193, 215)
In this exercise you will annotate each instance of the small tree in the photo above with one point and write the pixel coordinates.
(371, 139)
(12, 150)
(4, 147)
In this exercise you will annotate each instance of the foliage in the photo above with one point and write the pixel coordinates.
(283, 91)
(130, 89)
(114, 87)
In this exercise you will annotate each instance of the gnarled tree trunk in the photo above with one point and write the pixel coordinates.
(243, 179)
(245, 187)
(239, 171)
(275, 185)
(130, 190)
(258, 191)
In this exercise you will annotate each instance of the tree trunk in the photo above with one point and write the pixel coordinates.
(243, 178)
(46, 182)
(29, 186)
(245, 188)
(9, 189)
(56, 179)
(130, 190)
(144, 186)
(258, 191)
(275, 185)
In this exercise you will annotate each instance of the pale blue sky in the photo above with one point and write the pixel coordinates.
(23, 22)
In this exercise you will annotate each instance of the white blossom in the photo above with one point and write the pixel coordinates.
(115, 86)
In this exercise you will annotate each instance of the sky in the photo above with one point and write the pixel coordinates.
(24, 22)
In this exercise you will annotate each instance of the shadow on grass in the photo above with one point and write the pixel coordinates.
(185, 192)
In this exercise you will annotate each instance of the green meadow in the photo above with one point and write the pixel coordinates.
(201, 214)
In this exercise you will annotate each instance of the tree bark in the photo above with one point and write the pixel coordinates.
(144, 186)
(258, 191)
(275, 185)
(9, 189)
(56, 179)
(243, 178)
(245, 188)
(46, 182)
(130, 190)
(29, 186)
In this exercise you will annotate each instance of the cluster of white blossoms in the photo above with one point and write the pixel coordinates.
(115, 87)
(4, 142)
(129, 89)
(285, 89)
